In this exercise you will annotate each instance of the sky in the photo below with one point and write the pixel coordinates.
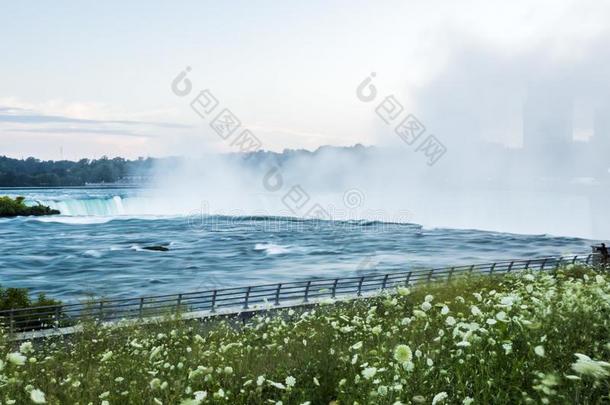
(90, 79)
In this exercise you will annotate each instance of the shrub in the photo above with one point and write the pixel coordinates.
(16, 207)
(13, 298)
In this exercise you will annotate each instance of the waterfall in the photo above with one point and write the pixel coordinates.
(89, 206)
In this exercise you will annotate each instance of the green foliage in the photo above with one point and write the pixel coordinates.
(33, 172)
(19, 298)
(521, 338)
(578, 271)
(17, 207)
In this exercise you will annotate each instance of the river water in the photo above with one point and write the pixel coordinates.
(96, 248)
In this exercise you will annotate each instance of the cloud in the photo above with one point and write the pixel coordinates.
(24, 119)
(22, 116)
(79, 131)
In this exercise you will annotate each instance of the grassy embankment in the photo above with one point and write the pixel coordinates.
(522, 338)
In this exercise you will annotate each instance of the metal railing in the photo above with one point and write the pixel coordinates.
(244, 299)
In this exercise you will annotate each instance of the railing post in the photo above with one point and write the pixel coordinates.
(407, 279)
(306, 297)
(527, 265)
(11, 321)
(543, 264)
(450, 276)
(101, 310)
(574, 261)
(430, 276)
(277, 294)
(57, 315)
(557, 266)
(214, 293)
(141, 310)
(247, 298)
(492, 268)
(334, 290)
(360, 286)
(178, 302)
(385, 281)
(588, 258)
(510, 266)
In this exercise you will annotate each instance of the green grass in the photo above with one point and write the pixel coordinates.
(479, 339)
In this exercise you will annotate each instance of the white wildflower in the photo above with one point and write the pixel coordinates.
(589, 367)
(403, 291)
(16, 358)
(419, 314)
(356, 346)
(37, 396)
(290, 381)
(106, 356)
(440, 397)
(277, 385)
(475, 310)
(155, 383)
(200, 395)
(403, 354)
(369, 372)
(26, 348)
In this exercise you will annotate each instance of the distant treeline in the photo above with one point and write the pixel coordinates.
(32, 172)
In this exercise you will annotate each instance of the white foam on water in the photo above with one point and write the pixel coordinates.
(271, 248)
(83, 220)
(93, 253)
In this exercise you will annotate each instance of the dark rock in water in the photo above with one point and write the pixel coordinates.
(156, 248)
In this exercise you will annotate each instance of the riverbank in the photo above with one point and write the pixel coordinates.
(512, 339)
